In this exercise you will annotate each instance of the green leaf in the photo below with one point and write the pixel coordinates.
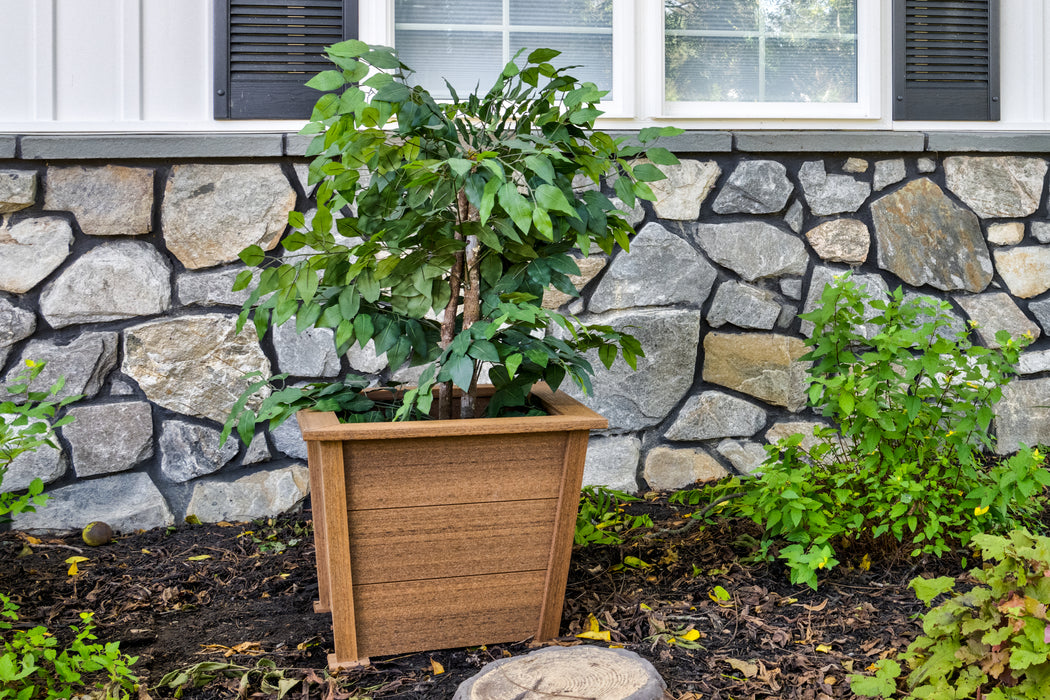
(327, 80)
(460, 166)
(542, 55)
(928, 589)
(392, 92)
(661, 156)
(351, 48)
(625, 191)
(461, 370)
(516, 206)
(553, 199)
(648, 173)
(252, 255)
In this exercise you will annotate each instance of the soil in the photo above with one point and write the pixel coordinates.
(241, 595)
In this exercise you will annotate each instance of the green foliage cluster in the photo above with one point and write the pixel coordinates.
(27, 421)
(32, 663)
(465, 208)
(992, 641)
(265, 675)
(601, 518)
(907, 465)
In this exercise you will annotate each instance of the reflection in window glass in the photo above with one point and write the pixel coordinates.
(469, 41)
(760, 50)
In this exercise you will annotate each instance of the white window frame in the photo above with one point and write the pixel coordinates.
(638, 70)
(869, 78)
(377, 22)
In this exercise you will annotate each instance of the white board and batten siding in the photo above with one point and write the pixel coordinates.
(146, 66)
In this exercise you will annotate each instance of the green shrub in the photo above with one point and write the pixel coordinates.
(991, 642)
(26, 423)
(908, 465)
(601, 518)
(32, 661)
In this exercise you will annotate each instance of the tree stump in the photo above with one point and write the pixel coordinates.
(578, 673)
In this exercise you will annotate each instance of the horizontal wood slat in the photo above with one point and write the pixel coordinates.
(395, 618)
(406, 544)
(430, 471)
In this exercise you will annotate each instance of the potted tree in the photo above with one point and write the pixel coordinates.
(438, 227)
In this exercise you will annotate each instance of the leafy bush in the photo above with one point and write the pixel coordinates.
(601, 518)
(908, 464)
(990, 642)
(26, 423)
(31, 661)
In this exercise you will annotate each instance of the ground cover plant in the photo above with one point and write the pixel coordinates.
(905, 465)
(33, 664)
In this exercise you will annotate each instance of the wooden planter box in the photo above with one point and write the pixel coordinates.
(438, 534)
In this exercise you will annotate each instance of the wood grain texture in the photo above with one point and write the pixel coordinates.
(563, 532)
(412, 616)
(447, 470)
(337, 551)
(313, 449)
(405, 544)
(566, 414)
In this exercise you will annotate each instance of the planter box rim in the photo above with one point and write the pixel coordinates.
(565, 414)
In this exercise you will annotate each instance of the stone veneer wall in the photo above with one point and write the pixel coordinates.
(117, 254)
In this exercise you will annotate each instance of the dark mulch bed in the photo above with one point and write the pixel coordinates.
(242, 593)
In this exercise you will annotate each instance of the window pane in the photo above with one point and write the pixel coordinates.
(811, 71)
(712, 69)
(465, 59)
(592, 52)
(449, 11)
(761, 50)
(712, 15)
(566, 13)
(469, 41)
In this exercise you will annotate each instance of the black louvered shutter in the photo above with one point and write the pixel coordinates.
(265, 50)
(946, 60)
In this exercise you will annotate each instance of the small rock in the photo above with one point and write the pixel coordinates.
(744, 306)
(1022, 416)
(288, 439)
(755, 187)
(926, 165)
(763, 365)
(107, 201)
(96, 534)
(794, 217)
(855, 166)
(831, 194)
(685, 189)
(1033, 362)
(30, 250)
(841, 240)
(16, 324)
(1026, 270)
(188, 450)
(1006, 234)
(634, 215)
(714, 414)
(997, 186)
(365, 360)
(669, 468)
(17, 190)
(753, 249)
(872, 285)
(1041, 311)
(791, 288)
(307, 354)
(85, 362)
(996, 312)
(211, 287)
(110, 437)
(746, 457)
(258, 495)
(612, 462)
(46, 463)
(1041, 231)
(888, 172)
(785, 429)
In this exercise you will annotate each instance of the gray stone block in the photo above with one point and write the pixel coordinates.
(714, 414)
(109, 438)
(257, 495)
(85, 146)
(988, 141)
(829, 141)
(8, 146)
(126, 502)
(613, 462)
(1021, 416)
(188, 450)
(689, 142)
(669, 468)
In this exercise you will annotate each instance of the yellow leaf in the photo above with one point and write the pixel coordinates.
(616, 646)
(223, 523)
(691, 635)
(824, 648)
(592, 623)
(146, 551)
(830, 680)
(980, 510)
(865, 563)
(436, 667)
(199, 557)
(32, 540)
(73, 561)
(602, 636)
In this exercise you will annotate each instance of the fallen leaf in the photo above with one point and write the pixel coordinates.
(830, 680)
(436, 667)
(750, 670)
(824, 648)
(594, 631)
(199, 557)
(816, 608)
(32, 540)
(865, 563)
(192, 519)
(223, 523)
(691, 635)
(146, 551)
(73, 561)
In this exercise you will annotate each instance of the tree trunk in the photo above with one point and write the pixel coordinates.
(471, 304)
(448, 330)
